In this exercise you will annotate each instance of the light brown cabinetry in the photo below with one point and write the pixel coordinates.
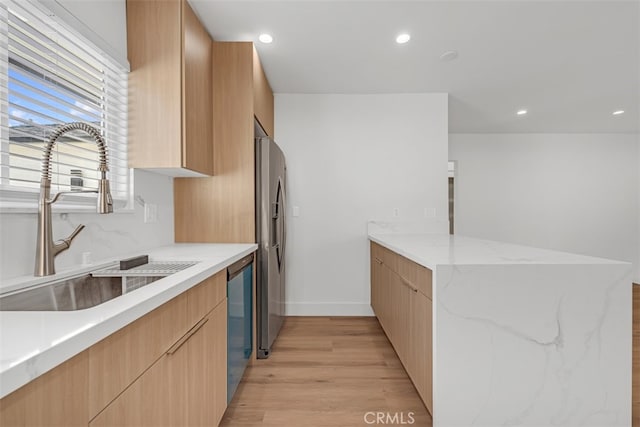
(58, 397)
(183, 387)
(167, 368)
(636, 356)
(401, 299)
(222, 208)
(262, 96)
(116, 361)
(170, 88)
(420, 363)
(185, 382)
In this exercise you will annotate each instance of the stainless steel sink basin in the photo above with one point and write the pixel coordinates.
(75, 293)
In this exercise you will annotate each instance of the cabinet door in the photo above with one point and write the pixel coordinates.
(420, 364)
(376, 267)
(262, 96)
(187, 386)
(401, 297)
(385, 299)
(155, 89)
(197, 112)
(157, 398)
(116, 361)
(58, 397)
(636, 356)
(207, 371)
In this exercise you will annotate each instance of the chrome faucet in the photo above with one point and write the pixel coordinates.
(46, 249)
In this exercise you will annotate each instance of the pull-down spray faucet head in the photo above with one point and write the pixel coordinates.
(105, 201)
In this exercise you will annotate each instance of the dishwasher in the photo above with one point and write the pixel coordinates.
(239, 321)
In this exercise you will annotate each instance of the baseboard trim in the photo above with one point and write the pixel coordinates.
(328, 309)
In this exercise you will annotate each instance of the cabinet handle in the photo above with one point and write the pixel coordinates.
(379, 261)
(186, 336)
(406, 283)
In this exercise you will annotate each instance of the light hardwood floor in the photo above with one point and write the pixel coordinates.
(326, 371)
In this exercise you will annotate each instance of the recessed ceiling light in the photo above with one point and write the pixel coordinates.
(403, 38)
(522, 112)
(618, 112)
(265, 38)
(449, 55)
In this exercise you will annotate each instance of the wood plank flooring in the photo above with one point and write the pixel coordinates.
(326, 371)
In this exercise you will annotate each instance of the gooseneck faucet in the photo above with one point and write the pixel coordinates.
(46, 249)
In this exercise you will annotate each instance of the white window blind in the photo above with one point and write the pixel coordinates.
(48, 77)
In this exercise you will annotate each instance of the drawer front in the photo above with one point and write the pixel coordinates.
(204, 297)
(376, 252)
(116, 361)
(389, 258)
(418, 276)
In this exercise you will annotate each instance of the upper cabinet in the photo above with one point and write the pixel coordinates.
(262, 96)
(222, 208)
(170, 89)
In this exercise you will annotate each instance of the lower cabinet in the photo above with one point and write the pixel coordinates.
(58, 398)
(168, 368)
(421, 351)
(401, 300)
(186, 386)
(636, 356)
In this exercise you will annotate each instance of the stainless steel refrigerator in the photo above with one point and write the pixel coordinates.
(271, 238)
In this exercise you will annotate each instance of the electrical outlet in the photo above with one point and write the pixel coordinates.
(396, 212)
(429, 212)
(150, 213)
(296, 211)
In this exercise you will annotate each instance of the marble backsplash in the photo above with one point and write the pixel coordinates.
(104, 236)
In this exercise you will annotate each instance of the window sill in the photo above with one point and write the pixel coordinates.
(22, 202)
(29, 208)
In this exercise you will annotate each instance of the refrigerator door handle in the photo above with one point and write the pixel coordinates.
(283, 242)
(274, 225)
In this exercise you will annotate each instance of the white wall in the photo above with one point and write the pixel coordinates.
(106, 18)
(104, 236)
(571, 192)
(350, 159)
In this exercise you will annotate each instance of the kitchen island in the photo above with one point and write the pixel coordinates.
(519, 335)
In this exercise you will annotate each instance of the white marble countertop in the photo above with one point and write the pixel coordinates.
(32, 343)
(430, 250)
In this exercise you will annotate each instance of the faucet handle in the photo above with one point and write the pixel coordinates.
(74, 234)
(64, 244)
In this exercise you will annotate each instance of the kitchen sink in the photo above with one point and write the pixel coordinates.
(89, 289)
(76, 293)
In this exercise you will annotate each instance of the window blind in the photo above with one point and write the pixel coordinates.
(50, 76)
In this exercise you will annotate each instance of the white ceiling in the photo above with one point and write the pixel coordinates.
(569, 63)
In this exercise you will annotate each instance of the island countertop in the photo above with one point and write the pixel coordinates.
(523, 336)
(430, 250)
(34, 342)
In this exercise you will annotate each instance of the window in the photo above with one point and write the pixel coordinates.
(50, 76)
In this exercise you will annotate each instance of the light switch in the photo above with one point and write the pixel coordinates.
(295, 211)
